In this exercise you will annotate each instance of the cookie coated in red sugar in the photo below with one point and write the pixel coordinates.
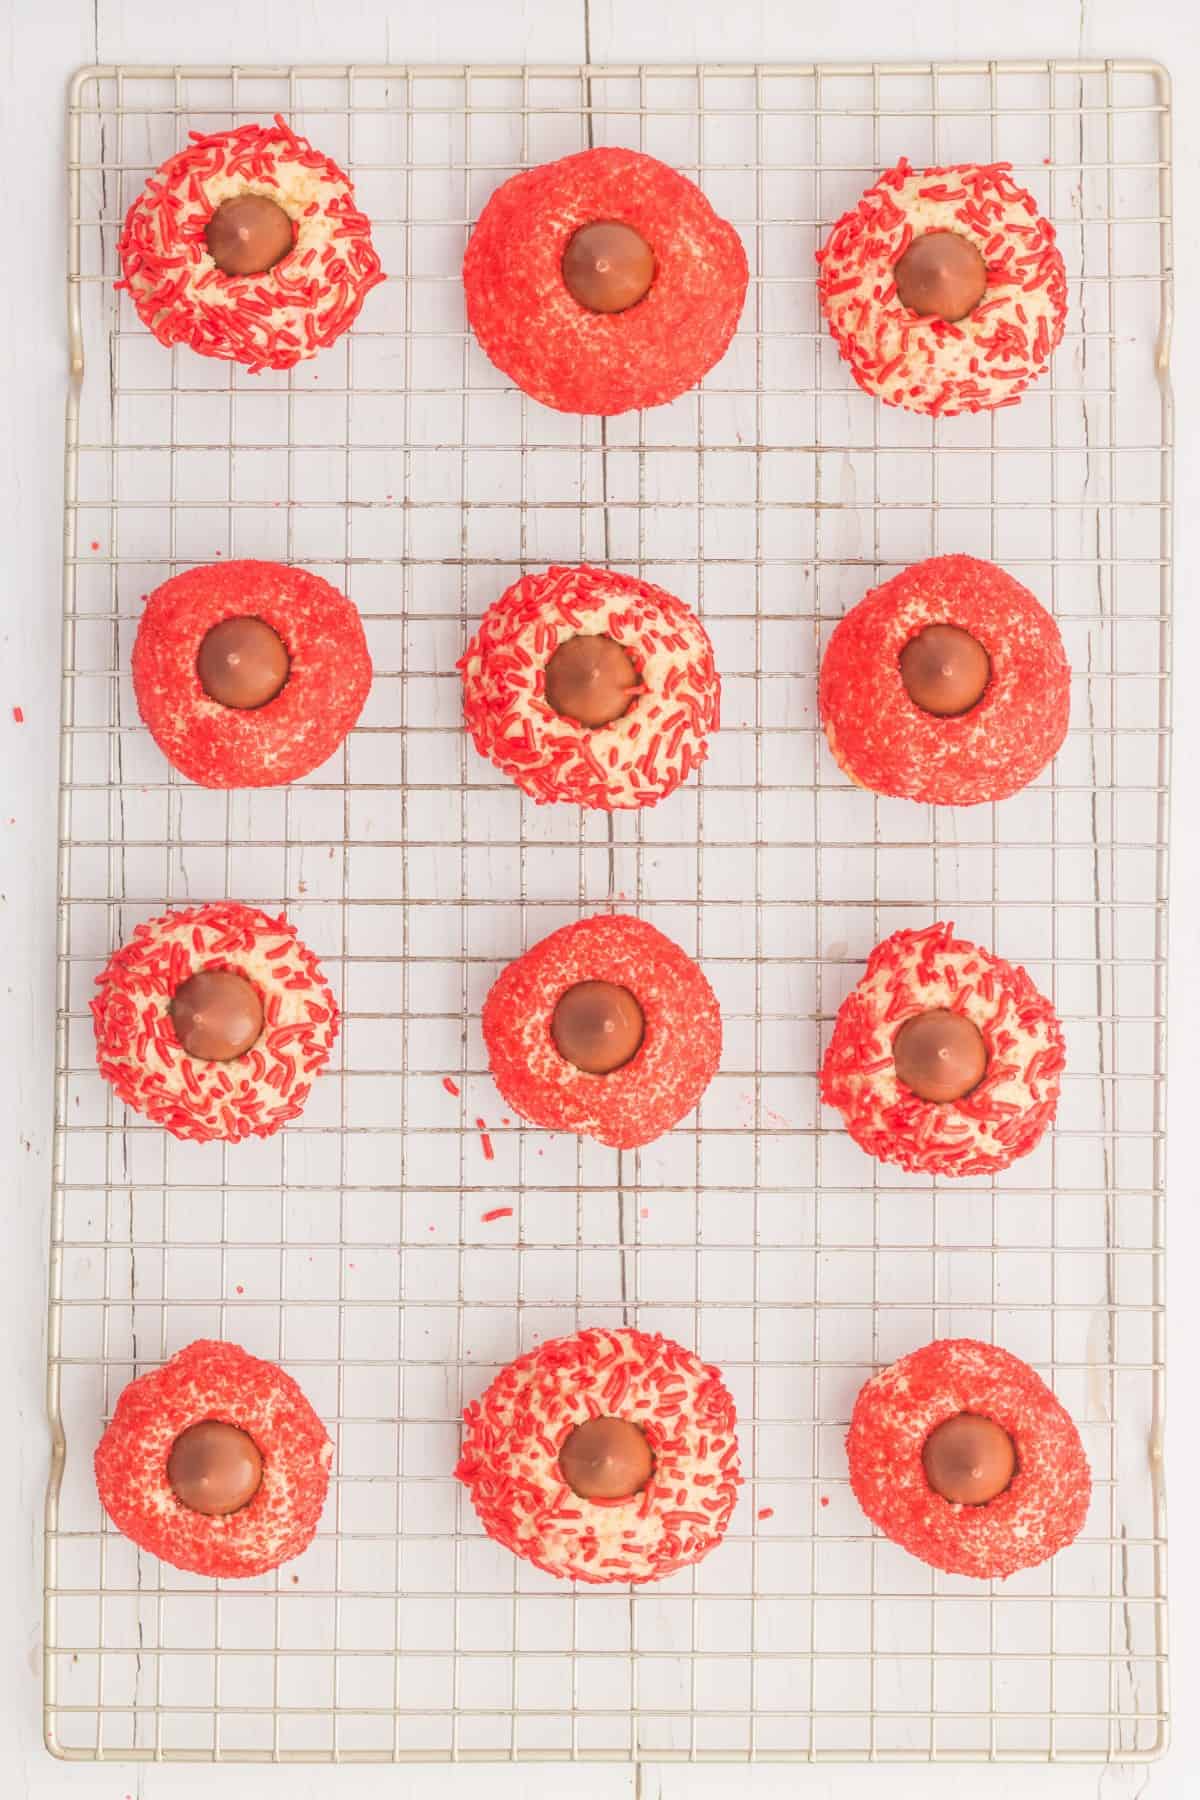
(138, 1049)
(211, 1379)
(516, 1430)
(228, 746)
(679, 1052)
(278, 315)
(557, 349)
(1045, 1504)
(636, 759)
(1000, 1119)
(928, 363)
(884, 741)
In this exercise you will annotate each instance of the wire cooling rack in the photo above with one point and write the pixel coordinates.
(404, 1239)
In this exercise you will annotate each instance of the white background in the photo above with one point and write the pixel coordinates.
(42, 43)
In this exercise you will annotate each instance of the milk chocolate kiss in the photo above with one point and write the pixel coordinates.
(606, 1459)
(248, 235)
(608, 267)
(940, 1055)
(214, 1468)
(969, 1459)
(941, 275)
(598, 1026)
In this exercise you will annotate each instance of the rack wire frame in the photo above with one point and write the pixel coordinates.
(400, 1242)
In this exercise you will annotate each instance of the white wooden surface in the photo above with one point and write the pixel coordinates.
(40, 44)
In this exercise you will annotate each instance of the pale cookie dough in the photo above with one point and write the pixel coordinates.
(928, 364)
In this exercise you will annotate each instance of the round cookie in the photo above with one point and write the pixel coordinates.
(535, 250)
(634, 759)
(208, 262)
(516, 1432)
(253, 742)
(886, 739)
(242, 1092)
(672, 1063)
(138, 1478)
(1040, 1510)
(999, 1118)
(911, 355)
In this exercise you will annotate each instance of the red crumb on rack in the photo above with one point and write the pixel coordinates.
(19, 715)
(450, 1086)
(824, 1499)
(485, 1140)
(95, 543)
(497, 1212)
(766, 1512)
(239, 1289)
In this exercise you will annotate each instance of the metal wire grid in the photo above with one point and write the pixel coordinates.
(356, 1247)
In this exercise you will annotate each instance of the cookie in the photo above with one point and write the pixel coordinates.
(944, 288)
(915, 710)
(248, 246)
(973, 1082)
(519, 1457)
(248, 1506)
(257, 1038)
(658, 691)
(603, 282)
(557, 1021)
(249, 674)
(894, 1466)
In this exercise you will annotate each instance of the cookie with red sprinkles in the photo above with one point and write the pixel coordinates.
(516, 1431)
(326, 669)
(884, 740)
(212, 1380)
(1002, 1117)
(919, 360)
(272, 317)
(561, 350)
(138, 1049)
(631, 761)
(1039, 1513)
(679, 1052)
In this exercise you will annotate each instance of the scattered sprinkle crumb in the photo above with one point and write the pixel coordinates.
(239, 1289)
(433, 1228)
(19, 715)
(95, 543)
(645, 1212)
(824, 1499)
(497, 1212)
(766, 1512)
(485, 1140)
(295, 1581)
(451, 1087)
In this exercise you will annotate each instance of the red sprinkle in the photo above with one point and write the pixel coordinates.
(18, 715)
(497, 1212)
(450, 1086)
(766, 1512)
(485, 1140)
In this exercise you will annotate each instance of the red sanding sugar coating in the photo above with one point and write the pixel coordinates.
(637, 759)
(924, 363)
(557, 350)
(215, 1380)
(137, 1048)
(1040, 1512)
(270, 320)
(679, 1053)
(329, 674)
(884, 741)
(1003, 1117)
(515, 1431)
